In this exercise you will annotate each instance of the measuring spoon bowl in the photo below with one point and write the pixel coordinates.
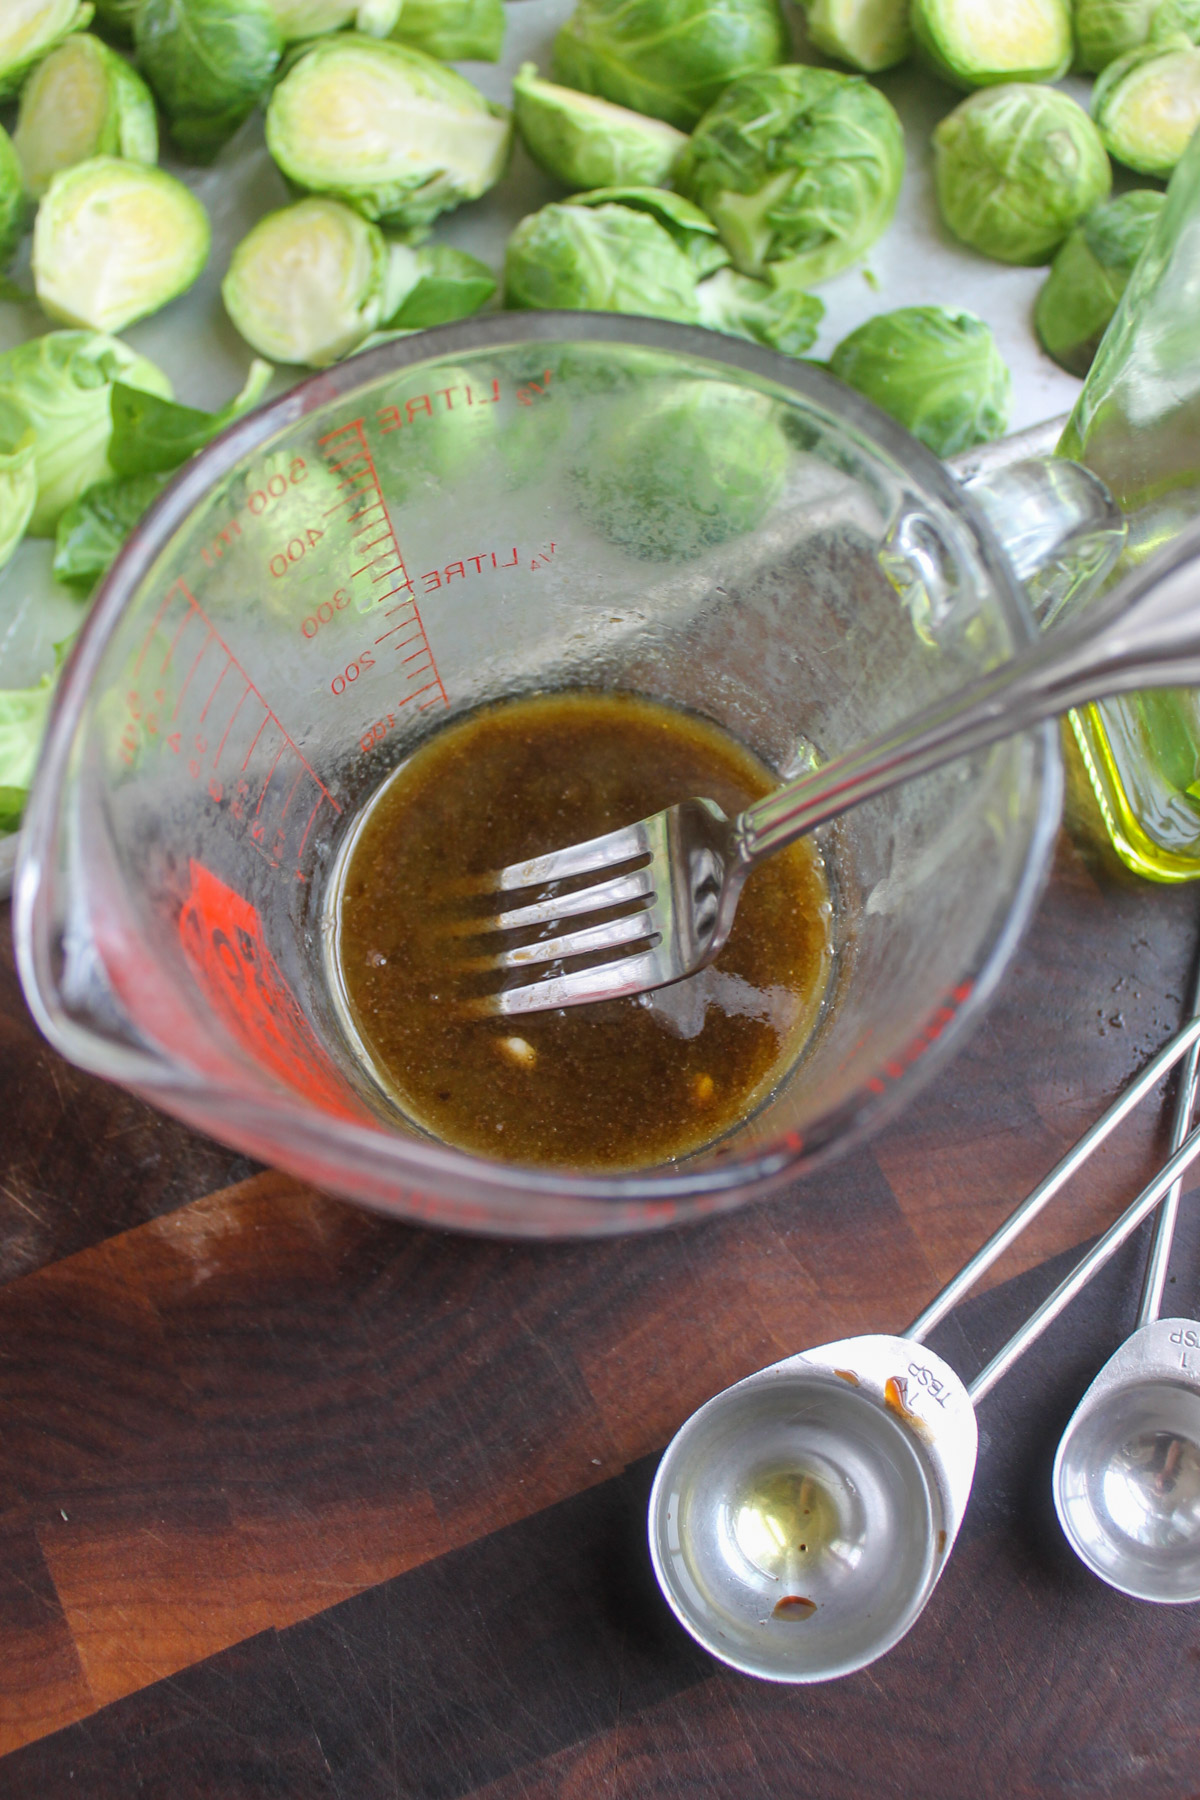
(800, 1520)
(1126, 1478)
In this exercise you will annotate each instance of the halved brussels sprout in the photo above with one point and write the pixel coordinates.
(604, 258)
(208, 61)
(668, 474)
(782, 318)
(64, 382)
(1106, 29)
(800, 168)
(307, 283)
(29, 28)
(977, 43)
(455, 30)
(1147, 104)
(18, 474)
(12, 198)
(1017, 168)
(83, 101)
(590, 143)
(299, 19)
(1089, 275)
(114, 241)
(938, 372)
(667, 58)
(388, 130)
(868, 34)
(433, 285)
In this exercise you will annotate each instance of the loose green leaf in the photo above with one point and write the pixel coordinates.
(18, 474)
(13, 204)
(1089, 275)
(94, 528)
(590, 143)
(433, 286)
(151, 434)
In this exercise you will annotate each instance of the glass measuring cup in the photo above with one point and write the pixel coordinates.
(508, 506)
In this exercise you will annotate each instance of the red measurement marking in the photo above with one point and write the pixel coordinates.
(226, 951)
(347, 449)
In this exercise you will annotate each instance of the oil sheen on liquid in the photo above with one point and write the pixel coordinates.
(620, 1085)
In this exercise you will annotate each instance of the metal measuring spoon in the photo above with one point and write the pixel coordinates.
(1127, 1474)
(800, 1520)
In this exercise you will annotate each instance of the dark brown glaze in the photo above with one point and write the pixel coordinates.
(609, 1086)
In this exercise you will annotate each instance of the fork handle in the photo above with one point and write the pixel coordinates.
(1144, 633)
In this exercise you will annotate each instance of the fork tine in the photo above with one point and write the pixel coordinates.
(604, 894)
(580, 859)
(628, 975)
(610, 936)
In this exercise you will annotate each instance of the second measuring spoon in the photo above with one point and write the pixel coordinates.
(1126, 1477)
(800, 1520)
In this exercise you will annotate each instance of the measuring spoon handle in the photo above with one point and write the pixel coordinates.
(1085, 1268)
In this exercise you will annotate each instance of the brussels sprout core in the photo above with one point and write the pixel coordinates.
(83, 101)
(1089, 276)
(114, 241)
(976, 43)
(1147, 104)
(306, 285)
(392, 132)
(590, 143)
(668, 58)
(800, 168)
(868, 34)
(28, 28)
(937, 372)
(1017, 168)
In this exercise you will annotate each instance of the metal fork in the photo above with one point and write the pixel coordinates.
(669, 885)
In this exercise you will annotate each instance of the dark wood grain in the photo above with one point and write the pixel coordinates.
(297, 1500)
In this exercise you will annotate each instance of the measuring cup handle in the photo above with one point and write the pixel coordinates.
(1059, 526)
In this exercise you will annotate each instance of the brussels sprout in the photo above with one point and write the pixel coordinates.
(18, 476)
(1147, 104)
(599, 258)
(669, 474)
(23, 715)
(115, 17)
(938, 372)
(388, 130)
(1088, 277)
(83, 101)
(95, 526)
(29, 28)
(455, 30)
(782, 318)
(692, 229)
(800, 168)
(1017, 168)
(434, 285)
(868, 34)
(152, 435)
(977, 45)
(668, 58)
(590, 143)
(306, 284)
(208, 61)
(12, 198)
(114, 241)
(1106, 29)
(1173, 16)
(64, 382)
(299, 19)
